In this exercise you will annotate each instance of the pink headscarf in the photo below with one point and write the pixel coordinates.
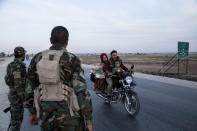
(101, 57)
(106, 63)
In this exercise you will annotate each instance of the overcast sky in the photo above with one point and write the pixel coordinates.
(99, 25)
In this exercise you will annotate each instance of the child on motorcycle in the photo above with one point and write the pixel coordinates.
(117, 71)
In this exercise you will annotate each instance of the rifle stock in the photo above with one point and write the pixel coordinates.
(7, 109)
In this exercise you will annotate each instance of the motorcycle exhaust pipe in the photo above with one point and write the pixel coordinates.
(104, 98)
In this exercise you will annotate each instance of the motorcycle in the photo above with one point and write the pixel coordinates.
(122, 91)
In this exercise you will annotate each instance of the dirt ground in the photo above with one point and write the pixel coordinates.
(153, 63)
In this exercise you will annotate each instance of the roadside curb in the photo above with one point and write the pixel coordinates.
(174, 81)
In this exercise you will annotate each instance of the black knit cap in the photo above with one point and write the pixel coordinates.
(19, 51)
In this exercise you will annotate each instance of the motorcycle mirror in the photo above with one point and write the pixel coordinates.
(132, 66)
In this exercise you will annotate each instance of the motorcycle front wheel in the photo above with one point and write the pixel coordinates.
(132, 104)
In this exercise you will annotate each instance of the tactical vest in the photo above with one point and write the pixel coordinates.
(51, 87)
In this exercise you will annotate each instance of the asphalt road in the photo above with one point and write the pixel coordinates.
(164, 107)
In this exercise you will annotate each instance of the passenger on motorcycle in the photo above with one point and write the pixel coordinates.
(99, 80)
(105, 63)
(117, 71)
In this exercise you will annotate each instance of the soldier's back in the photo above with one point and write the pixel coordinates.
(15, 71)
(56, 114)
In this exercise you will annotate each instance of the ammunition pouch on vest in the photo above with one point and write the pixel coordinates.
(51, 88)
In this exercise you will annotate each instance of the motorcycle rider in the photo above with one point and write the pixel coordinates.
(114, 57)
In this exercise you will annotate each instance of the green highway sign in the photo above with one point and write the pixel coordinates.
(183, 49)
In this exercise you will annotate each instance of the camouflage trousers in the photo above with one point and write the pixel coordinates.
(55, 116)
(16, 112)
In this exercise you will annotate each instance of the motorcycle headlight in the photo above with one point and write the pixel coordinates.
(128, 79)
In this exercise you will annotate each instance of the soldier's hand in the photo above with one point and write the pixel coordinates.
(89, 127)
(25, 104)
(33, 119)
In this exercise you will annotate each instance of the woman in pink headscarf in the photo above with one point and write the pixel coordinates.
(99, 83)
(104, 62)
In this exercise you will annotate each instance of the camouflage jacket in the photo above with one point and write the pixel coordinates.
(70, 70)
(16, 79)
(112, 64)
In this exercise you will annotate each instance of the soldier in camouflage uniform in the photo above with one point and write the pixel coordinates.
(16, 79)
(55, 115)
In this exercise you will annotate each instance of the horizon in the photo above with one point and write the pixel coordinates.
(108, 53)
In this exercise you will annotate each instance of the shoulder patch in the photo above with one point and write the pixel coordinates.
(17, 74)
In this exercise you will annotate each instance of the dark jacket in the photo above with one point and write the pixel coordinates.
(112, 64)
(106, 66)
